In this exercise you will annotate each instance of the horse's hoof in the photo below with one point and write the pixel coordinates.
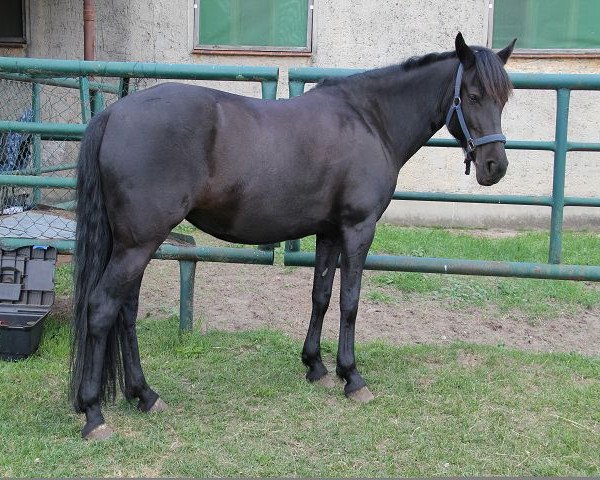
(159, 406)
(363, 395)
(326, 381)
(101, 432)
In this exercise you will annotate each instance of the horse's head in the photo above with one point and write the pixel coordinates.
(481, 88)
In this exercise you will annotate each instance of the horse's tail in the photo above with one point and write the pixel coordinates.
(92, 252)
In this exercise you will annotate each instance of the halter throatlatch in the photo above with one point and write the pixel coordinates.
(472, 143)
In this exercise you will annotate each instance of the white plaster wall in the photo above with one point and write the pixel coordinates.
(364, 33)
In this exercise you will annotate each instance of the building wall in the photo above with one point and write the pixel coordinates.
(364, 33)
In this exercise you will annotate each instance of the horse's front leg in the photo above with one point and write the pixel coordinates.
(356, 242)
(327, 253)
(135, 382)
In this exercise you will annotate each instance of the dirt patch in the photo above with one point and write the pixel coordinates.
(468, 359)
(240, 297)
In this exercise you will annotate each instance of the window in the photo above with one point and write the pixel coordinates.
(546, 26)
(260, 25)
(12, 21)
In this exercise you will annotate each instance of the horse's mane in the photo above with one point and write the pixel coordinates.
(492, 75)
(490, 71)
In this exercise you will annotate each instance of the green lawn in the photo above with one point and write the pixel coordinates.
(526, 246)
(240, 407)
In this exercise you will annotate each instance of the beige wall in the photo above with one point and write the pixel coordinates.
(364, 33)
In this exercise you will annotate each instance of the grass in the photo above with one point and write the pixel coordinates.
(63, 279)
(582, 248)
(578, 247)
(240, 407)
(537, 299)
(185, 227)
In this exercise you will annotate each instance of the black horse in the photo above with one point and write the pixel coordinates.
(258, 171)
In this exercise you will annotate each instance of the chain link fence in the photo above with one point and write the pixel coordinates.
(39, 212)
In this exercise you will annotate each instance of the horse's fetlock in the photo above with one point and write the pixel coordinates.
(345, 369)
(310, 355)
(147, 399)
(316, 371)
(354, 382)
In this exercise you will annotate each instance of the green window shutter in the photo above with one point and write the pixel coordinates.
(547, 24)
(253, 23)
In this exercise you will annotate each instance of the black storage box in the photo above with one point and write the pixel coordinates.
(26, 295)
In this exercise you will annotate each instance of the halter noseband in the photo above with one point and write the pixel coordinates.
(472, 143)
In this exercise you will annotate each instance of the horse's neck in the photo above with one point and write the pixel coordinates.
(414, 107)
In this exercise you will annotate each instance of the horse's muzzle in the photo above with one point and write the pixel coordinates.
(491, 170)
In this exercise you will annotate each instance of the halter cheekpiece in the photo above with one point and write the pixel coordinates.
(472, 143)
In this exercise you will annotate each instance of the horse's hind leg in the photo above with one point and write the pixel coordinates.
(135, 382)
(121, 275)
(356, 242)
(327, 253)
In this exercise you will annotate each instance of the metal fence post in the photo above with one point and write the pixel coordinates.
(296, 88)
(558, 180)
(97, 102)
(84, 97)
(187, 275)
(36, 106)
(269, 89)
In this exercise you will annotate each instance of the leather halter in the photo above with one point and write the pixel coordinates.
(472, 143)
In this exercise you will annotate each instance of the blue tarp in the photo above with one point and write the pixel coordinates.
(15, 152)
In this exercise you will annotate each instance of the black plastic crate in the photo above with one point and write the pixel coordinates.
(26, 295)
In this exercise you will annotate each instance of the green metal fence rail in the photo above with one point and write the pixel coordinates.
(59, 82)
(563, 85)
(56, 72)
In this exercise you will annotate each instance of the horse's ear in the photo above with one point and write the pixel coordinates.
(464, 52)
(506, 51)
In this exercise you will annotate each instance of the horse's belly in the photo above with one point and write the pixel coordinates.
(255, 226)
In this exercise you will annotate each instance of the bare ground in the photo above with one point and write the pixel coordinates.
(239, 297)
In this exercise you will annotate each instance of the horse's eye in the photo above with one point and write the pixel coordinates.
(473, 98)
